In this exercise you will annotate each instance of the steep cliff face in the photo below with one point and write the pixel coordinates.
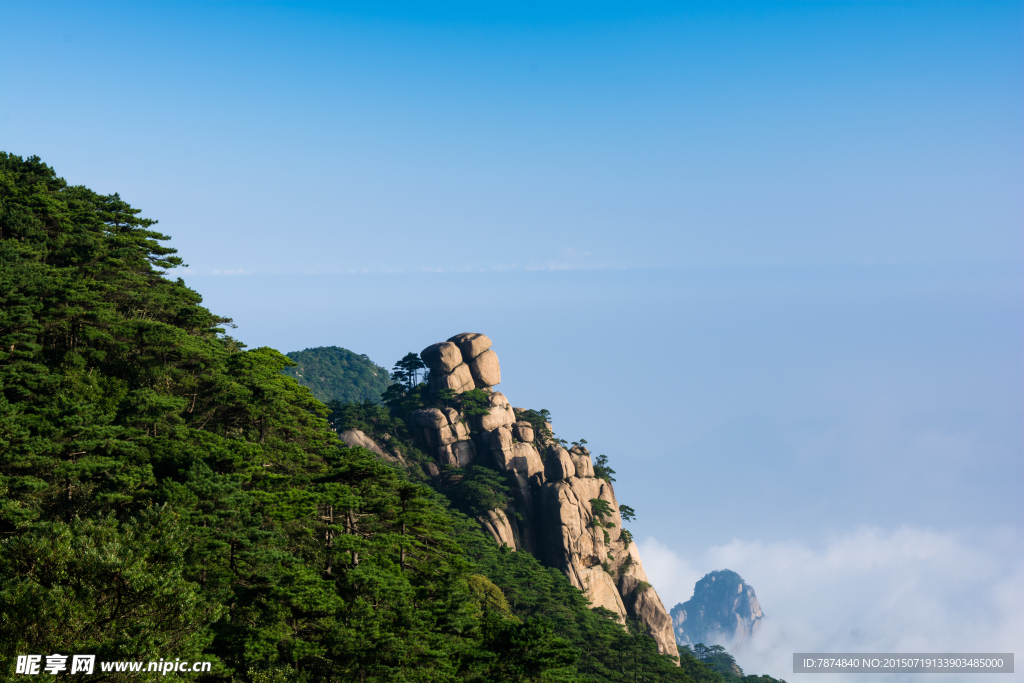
(561, 512)
(723, 609)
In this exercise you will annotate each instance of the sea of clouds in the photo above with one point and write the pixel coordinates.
(868, 589)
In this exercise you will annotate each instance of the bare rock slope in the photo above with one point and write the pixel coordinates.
(567, 517)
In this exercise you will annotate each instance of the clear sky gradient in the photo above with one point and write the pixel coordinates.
(767, 256)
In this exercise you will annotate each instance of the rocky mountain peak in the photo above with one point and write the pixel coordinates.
(723, 609)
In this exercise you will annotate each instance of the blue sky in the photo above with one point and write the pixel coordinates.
(767, 256)
(711, 134)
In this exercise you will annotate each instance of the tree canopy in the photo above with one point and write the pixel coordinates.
(407, 371)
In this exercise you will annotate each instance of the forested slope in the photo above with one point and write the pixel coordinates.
(335, 374)
(165, 492)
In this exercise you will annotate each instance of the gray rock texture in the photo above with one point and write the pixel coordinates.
(581, 460)
(501, 447)
(592, 553)
(464, 362)
(442, 357)
(458, 380)
(500, 414)
(526, 460)
(471, 344)
(523, 430)
(496, 523)
(723, 611)
(464, 453)
(485, 369)
(429, 417)
(558, 465)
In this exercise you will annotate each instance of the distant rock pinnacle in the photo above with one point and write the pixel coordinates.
(723, 609)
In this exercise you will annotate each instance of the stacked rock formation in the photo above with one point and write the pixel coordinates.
(445, 433)
(724, 610)
(553, 488)
(463, 362)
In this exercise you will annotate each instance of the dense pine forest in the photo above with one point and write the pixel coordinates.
(167, 492)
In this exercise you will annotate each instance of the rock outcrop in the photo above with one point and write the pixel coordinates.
(723, 610)
(444, 434)
(354, 437)
(561, 512)
(463, 362)
(590, 548)
(497, 525)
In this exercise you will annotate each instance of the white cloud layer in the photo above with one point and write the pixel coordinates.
(866, 590)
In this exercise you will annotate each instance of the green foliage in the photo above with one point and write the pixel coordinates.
(335, 374)
(604, 651)
(719, 660)
(393, 395)
(367, 416)
(627, 513)
(487, 596)
(402, 400)
(524, 651)
(128, 595)
(446, 396)
(601, 508)
(538, 419)
(407, 393)
(696, 670)
(602, 470)
(712, 664)
(475, 402)
(475, 489)
(407, 371)
(276, 674)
